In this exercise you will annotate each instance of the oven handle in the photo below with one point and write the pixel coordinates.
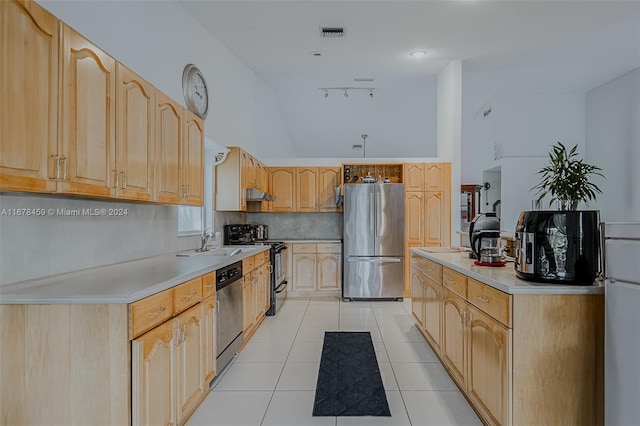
(283, 284)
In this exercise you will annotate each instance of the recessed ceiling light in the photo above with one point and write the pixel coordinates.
(316, 53)
(418, 54)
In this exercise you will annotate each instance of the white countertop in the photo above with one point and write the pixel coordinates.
(124, 282)
(313, 241)
(502, 278)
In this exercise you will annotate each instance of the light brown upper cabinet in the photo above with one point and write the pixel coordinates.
(437, 176)
(239, 172)
(414, 177)
(306, 189)
(282, 184)
(168, 141)
(29, 100)
(135, 138)
(328, 179)
(87, 149)
(191, 161)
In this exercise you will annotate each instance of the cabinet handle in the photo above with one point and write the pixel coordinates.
(115, 179)
(484, 299)
(183, 327)
(208, 285)
(450, 281)
(124, 180)
(467, 318)
(190, 295)
(159, 311)
(217, 306)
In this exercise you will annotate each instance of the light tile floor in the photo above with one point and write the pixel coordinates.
(273, 380)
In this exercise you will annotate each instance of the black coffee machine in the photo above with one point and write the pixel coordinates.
(558, 246)
(484, 238)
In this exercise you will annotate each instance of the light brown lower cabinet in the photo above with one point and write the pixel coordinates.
(315, 269)
(255, 293)
(522, 359)
(168, 369)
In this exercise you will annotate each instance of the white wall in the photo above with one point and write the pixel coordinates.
(522, 122)
(613, 143)
(400, 120)
(157, 39)
(450, 131)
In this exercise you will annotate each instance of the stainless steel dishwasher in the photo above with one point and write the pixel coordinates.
(229, 328)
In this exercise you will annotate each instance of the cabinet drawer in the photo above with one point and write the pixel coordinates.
(261, 258)
(430, 268)
(303, 248)
(151, 311)
(187, 294)
(329, 248)
(494, 302)
(208, 284)
(248, 264)
(455, 281)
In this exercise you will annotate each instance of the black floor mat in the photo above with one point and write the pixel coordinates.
(349, 382)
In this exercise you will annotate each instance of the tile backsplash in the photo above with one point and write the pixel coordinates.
(296, 226)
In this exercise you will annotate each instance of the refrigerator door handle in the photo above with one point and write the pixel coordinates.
(378, 212)
(375, 259)
(371, 215)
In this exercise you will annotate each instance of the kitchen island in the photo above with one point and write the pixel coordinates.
(522, 353)
(132, 342)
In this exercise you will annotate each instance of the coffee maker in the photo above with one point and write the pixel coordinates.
(484, 237)
(558, 246)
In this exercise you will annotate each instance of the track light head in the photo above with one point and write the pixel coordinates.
(346, 94)
(371, 93)
(326, 93)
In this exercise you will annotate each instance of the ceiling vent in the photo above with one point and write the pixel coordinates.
(335, 32)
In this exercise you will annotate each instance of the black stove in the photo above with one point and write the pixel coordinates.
(245, 234)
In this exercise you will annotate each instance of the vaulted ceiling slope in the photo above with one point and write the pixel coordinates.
(569, 45)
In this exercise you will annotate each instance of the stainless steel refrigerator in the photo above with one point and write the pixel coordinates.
(373, 241)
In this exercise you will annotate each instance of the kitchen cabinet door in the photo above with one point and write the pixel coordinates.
(282, 183)
(328, 180)
(329, 271)
(306, 193)
(29, 101)
(434, 176)
(153, 390)
(435, 230)
(248, 318)
(192, 161)
(88, 117)
(488, 381)
(432, 312)
(453, 349)
(168, 149)
(210, 333)
(414, 217)
(414, 177)
(189, 360)
(417, 297)
(135, 138)
(304, 271)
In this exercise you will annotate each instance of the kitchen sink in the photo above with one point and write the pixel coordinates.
(226, 251)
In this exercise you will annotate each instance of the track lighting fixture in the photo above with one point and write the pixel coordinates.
(345, 90)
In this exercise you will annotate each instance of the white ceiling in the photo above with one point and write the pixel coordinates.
(569, 45)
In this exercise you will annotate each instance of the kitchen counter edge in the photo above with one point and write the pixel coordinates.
(54, 289)
(503, 278)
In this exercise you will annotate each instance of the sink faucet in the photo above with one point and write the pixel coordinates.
(206, 234)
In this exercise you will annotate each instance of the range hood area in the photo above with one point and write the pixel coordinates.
(254, 194)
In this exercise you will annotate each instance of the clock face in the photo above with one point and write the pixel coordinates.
(195, 91)
(199, 93)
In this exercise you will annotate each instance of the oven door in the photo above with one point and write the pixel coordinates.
(280, 266)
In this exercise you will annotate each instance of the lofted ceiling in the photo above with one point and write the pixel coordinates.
(557, 45)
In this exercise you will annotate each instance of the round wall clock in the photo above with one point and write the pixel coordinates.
(195, 91)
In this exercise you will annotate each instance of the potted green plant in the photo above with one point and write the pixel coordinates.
(566, 178)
